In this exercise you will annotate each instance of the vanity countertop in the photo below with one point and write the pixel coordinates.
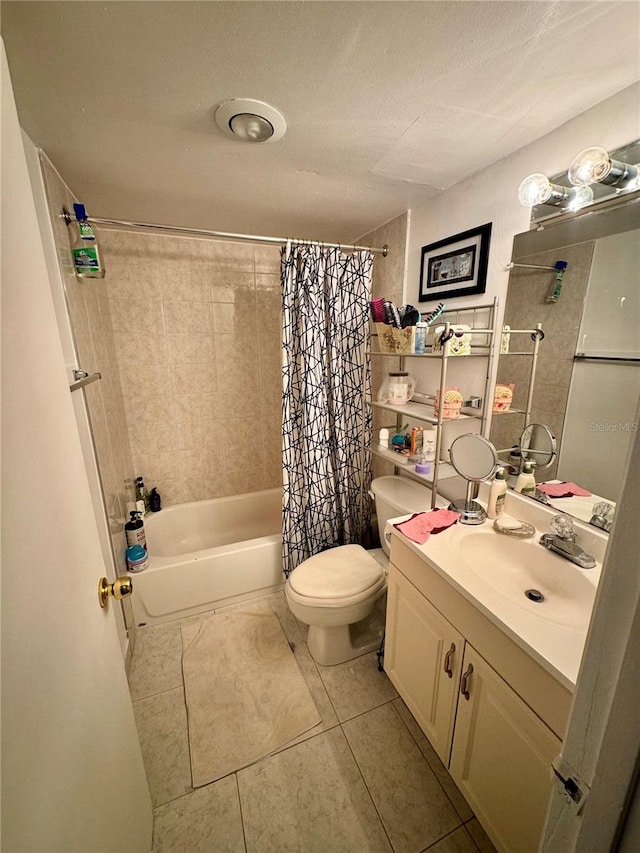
(493, 571)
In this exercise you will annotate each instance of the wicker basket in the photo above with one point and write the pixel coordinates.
(398, 341)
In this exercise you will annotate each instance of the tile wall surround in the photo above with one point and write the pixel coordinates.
(388, 283)
(526, 306)
(186, 335)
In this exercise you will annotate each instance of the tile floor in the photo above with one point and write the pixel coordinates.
(365, 779)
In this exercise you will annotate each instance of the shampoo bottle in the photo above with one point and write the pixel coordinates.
(86, 254)
(134, 530)
(526, 482)
(497, 495)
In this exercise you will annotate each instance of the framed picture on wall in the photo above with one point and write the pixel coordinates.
(455, 266)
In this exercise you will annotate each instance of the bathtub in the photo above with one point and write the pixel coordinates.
(208, 554)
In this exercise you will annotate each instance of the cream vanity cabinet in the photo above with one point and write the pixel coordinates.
(492, 713)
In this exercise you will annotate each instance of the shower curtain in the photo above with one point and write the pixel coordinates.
(326, 379)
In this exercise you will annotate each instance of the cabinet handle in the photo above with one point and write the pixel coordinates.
(447, 660)
(464, 684)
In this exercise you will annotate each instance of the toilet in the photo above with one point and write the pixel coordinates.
(341, 593)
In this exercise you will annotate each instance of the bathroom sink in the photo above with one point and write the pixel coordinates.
(519, 569)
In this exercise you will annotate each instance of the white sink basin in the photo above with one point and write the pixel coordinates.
(513, 566)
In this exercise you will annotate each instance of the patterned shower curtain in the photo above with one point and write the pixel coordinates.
(326, 378)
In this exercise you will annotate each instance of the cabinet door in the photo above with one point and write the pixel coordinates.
(423, 658)
(501, 757)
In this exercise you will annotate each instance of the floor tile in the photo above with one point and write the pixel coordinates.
(162, 729)
(458, 842)
(414, 809)
(442, 774)
(204, 820)
(357, 686)
(480, 837)
(288, 621)
(309, 798)
(156, 664)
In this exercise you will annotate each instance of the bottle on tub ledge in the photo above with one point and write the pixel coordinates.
(155, 501)
(143, 503)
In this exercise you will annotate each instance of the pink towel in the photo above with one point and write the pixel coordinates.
(421, 525)
(563, 490)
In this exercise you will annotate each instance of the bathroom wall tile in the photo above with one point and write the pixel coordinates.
(225, 255)
(449, 786)
(206, 819)
(193, 318)
(266, 282)
(200, 435)
(137, 349)
(154, 438)
(269, 309)
(284, 801)
(184, 283)
(236, 287)
(189, 349)
(235, 381)
(192, 407)
(141, 317)
(173, 491)
(186, 379)
(157, 466)
(414, 809)
(162, 728)
(156, 664)
(239, 481)
(130, 280)
(480, 837)
(145, 380)
(230, 318)
(356, 686)
(267, 259)
(141, 411)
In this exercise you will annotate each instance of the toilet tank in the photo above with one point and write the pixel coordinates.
(397, 496)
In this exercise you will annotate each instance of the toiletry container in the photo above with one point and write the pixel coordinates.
(143, 503)
(497, 495)
(137, 558)
(155, 501)
(383, 439)
(85, 251)
(134, 530)
(421, 338)
(526, 482)
(397, 389)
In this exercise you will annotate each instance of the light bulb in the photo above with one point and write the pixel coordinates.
(251, 128)
(535, 189)
(580, 197)
(595, 166)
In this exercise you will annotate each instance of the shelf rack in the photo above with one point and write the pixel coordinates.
(418, 411)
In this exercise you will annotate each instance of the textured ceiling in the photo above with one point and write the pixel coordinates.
(387, 103)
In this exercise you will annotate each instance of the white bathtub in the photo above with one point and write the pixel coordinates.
(208, 554)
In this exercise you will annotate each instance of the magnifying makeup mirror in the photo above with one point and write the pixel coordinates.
(475, 459)
(538, 444)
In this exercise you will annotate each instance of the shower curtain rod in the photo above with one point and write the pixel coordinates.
(221, 235)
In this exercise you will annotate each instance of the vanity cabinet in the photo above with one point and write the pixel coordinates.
(497, 721)
(423, 658)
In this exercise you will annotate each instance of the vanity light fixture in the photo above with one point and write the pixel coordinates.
(595, 166)
(538, 189)
(246, 120)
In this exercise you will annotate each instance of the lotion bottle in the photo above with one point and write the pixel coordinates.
(526, 482)
(497, 495)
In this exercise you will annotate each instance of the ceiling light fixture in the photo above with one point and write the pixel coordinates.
(250, 121)
(538, 189)
(595, 166)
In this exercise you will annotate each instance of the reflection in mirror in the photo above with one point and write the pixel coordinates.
(586, 380)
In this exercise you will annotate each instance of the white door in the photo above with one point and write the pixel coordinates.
(72, 772)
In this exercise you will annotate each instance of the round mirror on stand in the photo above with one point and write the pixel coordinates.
(538, 444)
(475, 459)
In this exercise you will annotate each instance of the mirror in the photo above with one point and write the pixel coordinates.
(584, 380)
(475, 459)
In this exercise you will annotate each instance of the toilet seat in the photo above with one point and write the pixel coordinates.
(338, 577)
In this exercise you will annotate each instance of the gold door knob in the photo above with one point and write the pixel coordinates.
(120, 588)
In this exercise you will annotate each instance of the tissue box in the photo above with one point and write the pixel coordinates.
(390, 339)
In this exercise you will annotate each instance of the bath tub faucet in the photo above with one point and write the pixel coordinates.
(562, 541)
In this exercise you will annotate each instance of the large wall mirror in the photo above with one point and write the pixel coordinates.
(587, 376)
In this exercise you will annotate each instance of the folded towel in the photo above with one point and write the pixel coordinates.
(563, 490)
(421, 525)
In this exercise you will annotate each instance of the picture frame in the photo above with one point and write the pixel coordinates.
(455, 266)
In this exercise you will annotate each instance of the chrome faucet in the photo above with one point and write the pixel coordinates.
(602, 517)
(562, 541)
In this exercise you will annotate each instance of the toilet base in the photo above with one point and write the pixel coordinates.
(331, 645)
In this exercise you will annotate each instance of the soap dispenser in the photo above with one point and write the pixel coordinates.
(497, 495)
(526, 482)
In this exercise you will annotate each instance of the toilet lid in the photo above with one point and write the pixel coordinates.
(337, 573)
